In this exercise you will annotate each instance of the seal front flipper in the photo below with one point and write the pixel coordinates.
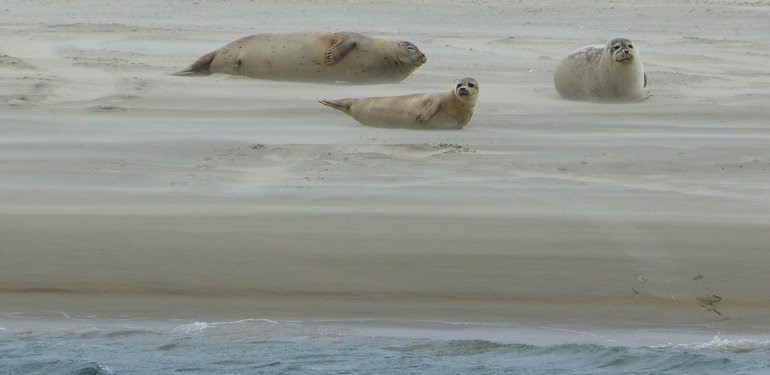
(428, 112)
(645, 79)
(200, 67)
(339, 50)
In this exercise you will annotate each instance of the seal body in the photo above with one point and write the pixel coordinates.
(613, 72)
(445, 110)
(313, 57)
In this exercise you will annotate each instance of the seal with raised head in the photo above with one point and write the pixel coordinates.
(444, 110)
(313, 57)
(613, 72)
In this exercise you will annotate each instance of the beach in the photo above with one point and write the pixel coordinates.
(128, 192)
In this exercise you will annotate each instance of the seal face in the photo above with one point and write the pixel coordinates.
(445, 110)
(613, 72)
(313, 57)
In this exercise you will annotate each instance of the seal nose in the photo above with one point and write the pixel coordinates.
(463, 91)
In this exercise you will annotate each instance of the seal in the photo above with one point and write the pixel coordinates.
(602, 73)
(444, 110)
(313, 57)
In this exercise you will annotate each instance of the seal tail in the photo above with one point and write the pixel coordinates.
(200, 67)
(338, 104)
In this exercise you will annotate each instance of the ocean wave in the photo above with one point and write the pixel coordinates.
(189, 328)
(70, 367)
(455, 348)
(720, 345)
(269, 346)
(198, 327)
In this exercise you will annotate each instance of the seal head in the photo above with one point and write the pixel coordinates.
(622, 50)
(467, 90)
(411, 54)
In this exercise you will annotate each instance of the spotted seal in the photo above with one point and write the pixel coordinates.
(444, 110)
(313, 57)
(613, 72)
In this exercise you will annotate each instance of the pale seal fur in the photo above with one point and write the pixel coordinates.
(313, 57)
(444, 110)
(602, 73)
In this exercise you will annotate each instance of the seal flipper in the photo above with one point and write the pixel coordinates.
(645, 79)
(200, 67)
(428, 112)
(339, 50)
(338, 104)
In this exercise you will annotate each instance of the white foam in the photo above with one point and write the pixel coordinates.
(197, 327)
(718, 344)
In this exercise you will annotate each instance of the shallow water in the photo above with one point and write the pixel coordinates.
(261, 346)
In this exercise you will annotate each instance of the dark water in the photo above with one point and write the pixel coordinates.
(270, 347)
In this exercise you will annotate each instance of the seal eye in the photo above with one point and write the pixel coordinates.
(616, 47)
(471, 85)
(459, 85)
(630, 46)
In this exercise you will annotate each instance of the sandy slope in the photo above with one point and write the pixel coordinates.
(123, 185)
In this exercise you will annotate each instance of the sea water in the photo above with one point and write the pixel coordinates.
(86, 345)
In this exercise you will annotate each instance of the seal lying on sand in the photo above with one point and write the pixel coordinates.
(445, 110)
(313, 57)
(602, 73)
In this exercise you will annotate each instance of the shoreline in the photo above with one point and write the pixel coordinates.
(724, 338)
